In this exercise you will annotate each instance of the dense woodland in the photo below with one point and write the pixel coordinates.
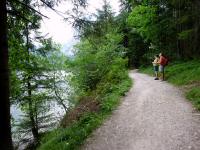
(31, 64)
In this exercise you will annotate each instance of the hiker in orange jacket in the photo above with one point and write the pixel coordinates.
(162, 62)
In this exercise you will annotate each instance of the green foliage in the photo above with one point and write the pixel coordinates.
(194, 96)
(184, 73)
(93, 62)
(152, 29)
(32, 83)
(110, 101)
(98, 70)
(73, 136)
(147, 70)
(30, 80)
(144, 19)
(185, 34)
(170, 26)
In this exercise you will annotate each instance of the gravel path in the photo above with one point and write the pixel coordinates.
(153, 116)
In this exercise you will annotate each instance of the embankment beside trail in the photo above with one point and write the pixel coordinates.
(88, 114)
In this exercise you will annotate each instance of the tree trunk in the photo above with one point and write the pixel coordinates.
(34, 128)
(5, 126)
(60, 100)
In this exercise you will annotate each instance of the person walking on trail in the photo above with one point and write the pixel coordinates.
(156, 66)
(162, 63)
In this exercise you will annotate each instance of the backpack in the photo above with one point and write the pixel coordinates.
(165, 63)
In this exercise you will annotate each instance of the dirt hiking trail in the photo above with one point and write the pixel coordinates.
(153, 116)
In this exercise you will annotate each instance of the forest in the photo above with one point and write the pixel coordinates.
(36, 76)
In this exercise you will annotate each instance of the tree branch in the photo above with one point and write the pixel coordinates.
(29, 7)
(56, 11)
(18, 14)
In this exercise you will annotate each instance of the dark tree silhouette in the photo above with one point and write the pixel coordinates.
(5, 127)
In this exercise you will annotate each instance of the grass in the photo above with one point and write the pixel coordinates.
(186, 75)
(74, 135)
(194, 96)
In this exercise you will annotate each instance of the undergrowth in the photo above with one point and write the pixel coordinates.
(194, 96)
(74, 135)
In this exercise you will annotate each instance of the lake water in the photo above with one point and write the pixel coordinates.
(55, 109)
